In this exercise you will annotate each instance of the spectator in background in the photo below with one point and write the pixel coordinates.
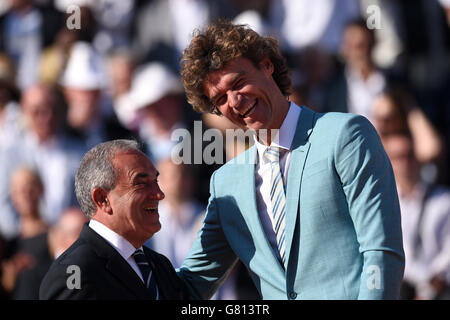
(106, 24)
(64, 233)
(10, 129)
(303, 23)
(55, 55)
(311, 70)
(163, 28)
(90, 115)
(25, 29)
(54, 58)
(23, 277)
(156, 103)
(360, 81)
(115, 22)
(9, 108)
(299, 24)
(120, 69)
(425, 212)
(395, 111)
(161, 25)
(4, 293)
(83, 81)
(44, 146)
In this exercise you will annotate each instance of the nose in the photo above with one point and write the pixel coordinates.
(159, 194)
(234, 99)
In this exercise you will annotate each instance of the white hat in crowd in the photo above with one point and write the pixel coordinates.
(150, 83)
(85, 68)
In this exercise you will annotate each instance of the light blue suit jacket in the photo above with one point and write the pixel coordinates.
(343, 233)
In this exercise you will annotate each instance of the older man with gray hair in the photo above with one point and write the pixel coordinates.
(117, 188)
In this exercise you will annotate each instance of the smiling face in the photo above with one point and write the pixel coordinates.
(247, 95)
(132, 204)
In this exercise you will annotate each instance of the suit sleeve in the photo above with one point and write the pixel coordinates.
(210, 258)
(174, 288)
(369, 186)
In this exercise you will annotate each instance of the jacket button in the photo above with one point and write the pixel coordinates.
(292, 295)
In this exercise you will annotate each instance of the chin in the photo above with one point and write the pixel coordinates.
(156, 228)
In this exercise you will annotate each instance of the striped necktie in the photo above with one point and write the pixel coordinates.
(278, 200)
(146, 271)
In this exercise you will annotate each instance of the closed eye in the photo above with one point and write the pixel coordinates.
(220, 101)
(239, 84)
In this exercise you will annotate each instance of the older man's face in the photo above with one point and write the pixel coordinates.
(134, 200)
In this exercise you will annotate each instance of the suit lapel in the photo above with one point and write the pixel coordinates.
(300, 149)
(126, 275)
(250, 211)
(115, 263)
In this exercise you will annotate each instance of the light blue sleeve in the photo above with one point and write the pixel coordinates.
(369, 185)
(211, 258)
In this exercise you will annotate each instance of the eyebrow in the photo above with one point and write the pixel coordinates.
(143, 175)
(233, 80)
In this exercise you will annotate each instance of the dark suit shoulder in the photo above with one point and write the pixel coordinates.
(158, 257)
(64, 279)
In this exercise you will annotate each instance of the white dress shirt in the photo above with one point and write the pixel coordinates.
(434, 256)
(123, 246)
(362, 92)
(263, 171)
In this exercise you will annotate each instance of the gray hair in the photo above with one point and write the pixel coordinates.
(97, 171)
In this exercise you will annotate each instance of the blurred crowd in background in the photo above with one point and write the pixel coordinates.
(71, 77)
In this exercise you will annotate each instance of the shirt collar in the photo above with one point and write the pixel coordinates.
(122, 245)
(285, 135)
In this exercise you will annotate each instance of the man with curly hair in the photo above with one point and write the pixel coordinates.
(311, 208)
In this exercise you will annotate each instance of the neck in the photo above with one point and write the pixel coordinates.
(31, 226)
(407, 186)
(365, 69)
(175, 202)
(130, 236)
(266, 135)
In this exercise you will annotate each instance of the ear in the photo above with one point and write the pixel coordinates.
(266, 66)
(100, 198)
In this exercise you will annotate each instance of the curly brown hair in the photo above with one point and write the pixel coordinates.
(221, 42)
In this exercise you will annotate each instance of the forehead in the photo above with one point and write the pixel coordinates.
(398, 146)
(217, 79)
(131, 163)
(36, 98)
(355, 34)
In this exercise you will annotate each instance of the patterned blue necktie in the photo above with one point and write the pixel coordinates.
(146, 271)
(278, 200)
